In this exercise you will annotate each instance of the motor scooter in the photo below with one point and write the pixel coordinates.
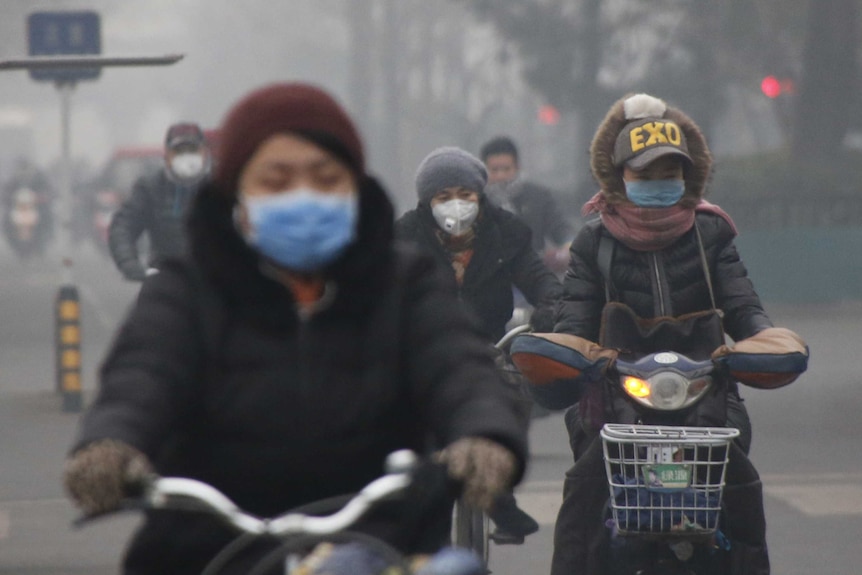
(24, 224)
(682, 496)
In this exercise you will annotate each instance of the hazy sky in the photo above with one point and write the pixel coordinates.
(230, 47)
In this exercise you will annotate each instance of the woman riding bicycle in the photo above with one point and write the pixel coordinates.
(483, 252)
(292, 350)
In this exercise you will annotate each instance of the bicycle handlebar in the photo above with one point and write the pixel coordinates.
(510, 335)
(191, 494)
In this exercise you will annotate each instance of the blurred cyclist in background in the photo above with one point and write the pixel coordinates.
(533, 203)
(159, 202)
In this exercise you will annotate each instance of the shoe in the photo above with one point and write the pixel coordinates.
(503, 538)
(512, 523)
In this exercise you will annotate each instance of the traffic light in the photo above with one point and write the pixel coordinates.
(773, 87)
(549, 115)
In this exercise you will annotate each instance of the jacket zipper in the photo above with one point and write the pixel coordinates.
(302, 345)
(305, 316)
(657, 271)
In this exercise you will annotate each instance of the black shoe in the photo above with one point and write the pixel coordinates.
(512, 522)
(503, 538)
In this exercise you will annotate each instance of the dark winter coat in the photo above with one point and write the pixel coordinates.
(502, 258)
(668, 282)
(536, 206)
(215, 376)
(157, 206)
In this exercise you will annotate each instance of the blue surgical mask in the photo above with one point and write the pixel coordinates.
(302, 230)
(655, 193)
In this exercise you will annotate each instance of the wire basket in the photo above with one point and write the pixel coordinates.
(666, 480)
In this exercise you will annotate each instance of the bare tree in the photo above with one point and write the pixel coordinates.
(829, 86)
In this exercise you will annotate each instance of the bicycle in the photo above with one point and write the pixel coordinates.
(471, 527)
(298, 533)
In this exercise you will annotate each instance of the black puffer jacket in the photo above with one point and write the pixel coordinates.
(668, 282)
(537, 207)
(215, 376)
(158, 206)
(502, 258)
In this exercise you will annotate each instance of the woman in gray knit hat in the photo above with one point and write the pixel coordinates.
(483, 252)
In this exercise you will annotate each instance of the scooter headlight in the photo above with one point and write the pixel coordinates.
(667, 390)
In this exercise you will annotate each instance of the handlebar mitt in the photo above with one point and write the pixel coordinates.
(772, 358)
(557, 364)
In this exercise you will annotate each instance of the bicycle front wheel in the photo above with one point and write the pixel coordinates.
(470, 530)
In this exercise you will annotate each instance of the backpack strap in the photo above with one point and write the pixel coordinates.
(705, 264)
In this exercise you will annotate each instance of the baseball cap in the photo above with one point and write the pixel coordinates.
(184, 133)
(643, 140)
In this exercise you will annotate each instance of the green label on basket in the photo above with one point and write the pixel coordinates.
(670, 476)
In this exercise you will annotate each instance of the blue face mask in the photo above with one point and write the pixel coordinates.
(302, 230)
(655, 193)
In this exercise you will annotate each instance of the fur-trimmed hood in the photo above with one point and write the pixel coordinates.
(610, 178)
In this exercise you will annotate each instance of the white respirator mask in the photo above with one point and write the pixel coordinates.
(455, 216)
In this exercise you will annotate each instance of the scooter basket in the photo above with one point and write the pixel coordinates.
(665, 480)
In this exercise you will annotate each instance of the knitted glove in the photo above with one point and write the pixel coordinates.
(100, 475)
(485, 468)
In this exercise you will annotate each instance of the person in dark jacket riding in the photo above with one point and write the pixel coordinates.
(483, 252)
(292, 350)
(533, 203)
(670, 254)
(159, 203)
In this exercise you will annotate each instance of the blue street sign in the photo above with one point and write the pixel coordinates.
(64, 33)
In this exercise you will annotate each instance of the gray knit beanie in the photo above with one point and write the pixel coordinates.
(449, 167)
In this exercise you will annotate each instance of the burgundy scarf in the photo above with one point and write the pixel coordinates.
(648, 229)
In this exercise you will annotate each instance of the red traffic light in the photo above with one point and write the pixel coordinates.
(771, 87)
(549, 115)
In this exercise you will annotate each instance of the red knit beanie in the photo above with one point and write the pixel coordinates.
(279, 108)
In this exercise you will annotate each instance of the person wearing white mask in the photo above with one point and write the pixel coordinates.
(159, 202)
(482, 251)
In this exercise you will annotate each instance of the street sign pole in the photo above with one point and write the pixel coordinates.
(65, 48)
(66, 200)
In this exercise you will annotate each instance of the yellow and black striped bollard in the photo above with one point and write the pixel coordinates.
(68, 346)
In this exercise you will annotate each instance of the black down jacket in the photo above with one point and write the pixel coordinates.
(503, 258)
(537, 207)
(668, 282)
(157, 206)
(215, 376)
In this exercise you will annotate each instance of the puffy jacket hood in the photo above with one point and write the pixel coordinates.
(610, 178)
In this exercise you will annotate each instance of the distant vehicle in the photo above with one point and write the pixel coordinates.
(25, 223)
